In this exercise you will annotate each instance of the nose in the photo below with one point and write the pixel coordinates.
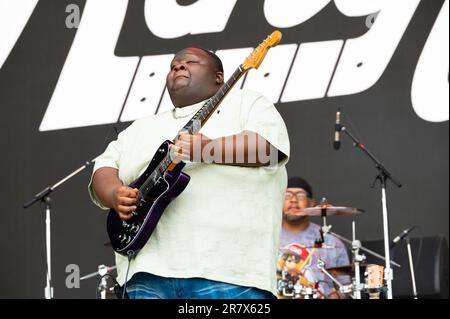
(179, 67)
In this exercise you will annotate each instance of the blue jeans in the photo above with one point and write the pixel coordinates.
(148, 286)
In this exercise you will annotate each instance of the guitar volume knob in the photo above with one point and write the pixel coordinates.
(123, 238)
(134, 229)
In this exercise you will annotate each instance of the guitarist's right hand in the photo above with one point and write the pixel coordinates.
(124, 201)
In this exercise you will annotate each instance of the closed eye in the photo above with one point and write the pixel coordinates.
(188, 62)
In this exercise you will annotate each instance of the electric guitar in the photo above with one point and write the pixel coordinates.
(163, 180)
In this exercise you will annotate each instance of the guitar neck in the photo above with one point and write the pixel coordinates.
(201, 117)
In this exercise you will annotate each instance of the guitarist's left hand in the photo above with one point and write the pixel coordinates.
(189, 147)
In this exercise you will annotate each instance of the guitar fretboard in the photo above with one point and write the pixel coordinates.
(202, 115)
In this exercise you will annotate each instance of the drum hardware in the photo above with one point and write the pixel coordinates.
(102, 286)
(305, 292)
(375, 274)
(321, 266)
(364, 249)
(356, 287)
(357, 259)
(298, 290)
(326, 209)
(323, 210)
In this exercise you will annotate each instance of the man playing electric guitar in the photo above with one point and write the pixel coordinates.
(218, 238)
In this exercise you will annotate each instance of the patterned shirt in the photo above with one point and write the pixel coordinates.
(335, 255)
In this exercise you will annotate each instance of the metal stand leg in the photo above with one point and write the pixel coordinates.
(357, 258)
(411, 266)
(388, 273)
(48, 287)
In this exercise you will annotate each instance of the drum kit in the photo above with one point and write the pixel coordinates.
(305, 286)
(302, 283)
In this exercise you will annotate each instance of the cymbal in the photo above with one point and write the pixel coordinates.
(323, 246)
(332, 211)
(345, 269)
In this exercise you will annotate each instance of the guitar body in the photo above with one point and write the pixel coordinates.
(132, 235)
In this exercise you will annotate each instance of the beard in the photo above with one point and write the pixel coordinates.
(294, 219)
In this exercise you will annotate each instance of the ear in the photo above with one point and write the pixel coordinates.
(219, 78)
(312, 202)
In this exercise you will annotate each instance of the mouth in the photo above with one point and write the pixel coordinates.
(180, 76)
(295, 210)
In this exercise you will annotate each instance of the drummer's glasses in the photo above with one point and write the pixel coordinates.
(299, 195)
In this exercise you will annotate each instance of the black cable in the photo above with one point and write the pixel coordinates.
(130, 254)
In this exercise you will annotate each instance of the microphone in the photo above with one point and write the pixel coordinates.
(337, 131)
(402, 235)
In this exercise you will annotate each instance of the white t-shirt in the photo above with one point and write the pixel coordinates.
(226, 224)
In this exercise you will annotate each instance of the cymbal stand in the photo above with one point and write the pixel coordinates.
(357, 259)
(325, 229)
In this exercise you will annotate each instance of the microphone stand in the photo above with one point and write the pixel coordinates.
(383, 175)
(411, 266)
(44, 197)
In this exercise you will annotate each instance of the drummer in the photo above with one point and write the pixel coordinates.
(298, 230)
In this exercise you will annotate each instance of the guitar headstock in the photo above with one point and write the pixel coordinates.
(255, 58)
(375, 276)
